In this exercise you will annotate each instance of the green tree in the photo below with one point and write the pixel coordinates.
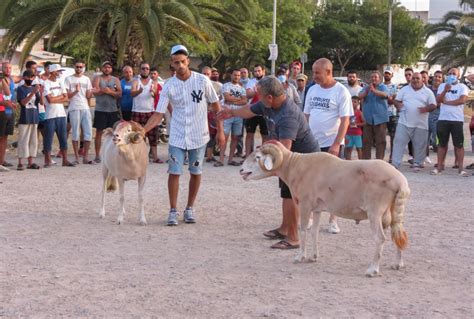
(354, 35)
(120, 30)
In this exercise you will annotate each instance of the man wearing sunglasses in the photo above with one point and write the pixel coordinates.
(79, 92)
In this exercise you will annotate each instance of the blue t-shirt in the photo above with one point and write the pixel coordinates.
(126, 101)
(29, 112)
(375, 108)
(288, 122)
(12, 97)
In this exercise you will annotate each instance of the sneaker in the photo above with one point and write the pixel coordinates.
(428, 160)
(411, 160)
(333, 228)
(189, 216)
(173, 217)
(3, 169)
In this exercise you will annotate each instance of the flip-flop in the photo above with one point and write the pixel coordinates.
(284, 245)
(274, 234)
(470, 166)
(218, 164)
(463, 174)
(69, 164)
(89, 162)
(158, 161)
(455, 166)
(435, 172)
(76, 162)
(210, 160)
(33, 166)
(234, 163)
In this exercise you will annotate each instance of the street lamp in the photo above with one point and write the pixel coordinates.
(274, 34)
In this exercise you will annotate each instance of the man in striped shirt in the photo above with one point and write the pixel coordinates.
(188, 93)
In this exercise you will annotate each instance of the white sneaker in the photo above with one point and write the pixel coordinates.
(333, 228)
(3, 169)
(427, 160)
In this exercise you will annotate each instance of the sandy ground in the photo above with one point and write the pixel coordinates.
(58, 259)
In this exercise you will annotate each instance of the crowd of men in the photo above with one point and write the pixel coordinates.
(206, 109)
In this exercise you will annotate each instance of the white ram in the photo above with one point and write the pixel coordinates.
(124, 156)
(365, 189)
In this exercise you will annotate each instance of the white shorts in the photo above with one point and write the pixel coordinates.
(80, 119)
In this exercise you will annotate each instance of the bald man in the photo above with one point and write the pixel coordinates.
(126, 101)
(328, 108)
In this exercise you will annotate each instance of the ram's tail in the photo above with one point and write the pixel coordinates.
(399, 236)
(111, 183)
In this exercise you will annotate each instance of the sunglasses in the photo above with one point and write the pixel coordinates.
(145, 68)
(79, 67)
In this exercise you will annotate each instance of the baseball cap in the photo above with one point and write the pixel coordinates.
(301, 77)
(179, 49)
(388, 69)
(107, 63)
(55, 68)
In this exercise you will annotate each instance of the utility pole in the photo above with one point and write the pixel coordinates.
(390, 4)
(274, 32)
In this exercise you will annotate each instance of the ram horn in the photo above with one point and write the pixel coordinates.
(138, 130)
(275, 152)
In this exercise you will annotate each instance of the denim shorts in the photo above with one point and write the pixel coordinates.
(55, 125)
(176, 160)
(354, 140)
(234, 126)
(80, 119)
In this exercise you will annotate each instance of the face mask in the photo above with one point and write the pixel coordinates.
(28, 82)
(451, 79)
(282, 78)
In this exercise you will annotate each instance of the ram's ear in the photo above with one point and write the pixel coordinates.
(268, 162)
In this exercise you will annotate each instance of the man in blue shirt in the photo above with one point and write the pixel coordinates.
(126, 101)
(375, 109)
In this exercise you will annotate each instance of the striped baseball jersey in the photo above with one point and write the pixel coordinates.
(189, 99)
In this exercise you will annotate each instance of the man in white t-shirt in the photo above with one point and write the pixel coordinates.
(413, 103)
(144, 91)
(188, 93)
(353, 83)
(79, 92)
(328, 108)
(234, 97)
(452, 95)
(55, 95)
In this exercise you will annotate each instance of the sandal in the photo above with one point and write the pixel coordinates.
(274, 234)
(435, 172)
(470, 166)
(218, 164)
(234, 163)
(158, 161)
(284, 245)
(20, 167)
(97, 160)
(209, 160)
(69, 164)
(33, 166)
(76, 162)
(463, 174)
(455, 166)
(89, 162)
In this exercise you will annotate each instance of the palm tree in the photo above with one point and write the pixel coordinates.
(454, 48)
(121, 30)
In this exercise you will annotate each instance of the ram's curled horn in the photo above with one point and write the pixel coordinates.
(274, 151)
(138, 130)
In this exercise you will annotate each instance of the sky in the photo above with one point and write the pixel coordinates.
(415, 5)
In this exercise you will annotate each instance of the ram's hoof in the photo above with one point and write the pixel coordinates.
(143, 223)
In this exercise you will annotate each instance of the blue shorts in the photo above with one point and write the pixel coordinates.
(353, 140)
(233, 125)
(176, 160)
(55, 125)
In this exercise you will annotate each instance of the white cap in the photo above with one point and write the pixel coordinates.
(54, 68)
(388, 69)
(179, 49)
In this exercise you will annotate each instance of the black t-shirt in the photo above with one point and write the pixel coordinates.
(288, 122)
(29, 112)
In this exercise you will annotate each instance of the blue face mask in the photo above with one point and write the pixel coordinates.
(451, 79)
(282, 78)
